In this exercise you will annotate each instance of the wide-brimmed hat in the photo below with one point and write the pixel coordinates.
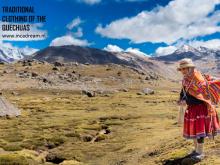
(185, 63)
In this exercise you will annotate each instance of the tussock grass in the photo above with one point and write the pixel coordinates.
(12, 159)
(142, 127)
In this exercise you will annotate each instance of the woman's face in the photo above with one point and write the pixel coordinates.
(184, 71)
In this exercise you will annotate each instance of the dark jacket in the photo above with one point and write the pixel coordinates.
(190, 100)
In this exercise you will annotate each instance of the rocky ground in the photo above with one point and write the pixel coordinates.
(72, 76)
(91, 114)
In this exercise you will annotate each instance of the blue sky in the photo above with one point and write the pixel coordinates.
(144, 26)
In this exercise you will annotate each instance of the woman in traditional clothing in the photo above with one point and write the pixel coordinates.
(201, 93)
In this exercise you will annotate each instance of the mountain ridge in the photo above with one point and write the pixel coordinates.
(161, 65)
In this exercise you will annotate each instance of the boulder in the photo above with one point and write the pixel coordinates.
(124, 90)
(24, 74)
(26, 63)
(100, 137)
(54, 158)
(119, 73)
(147, 78)
(88, 93)
(152, 76)
(5, 71)
(107, 69)
(58, 64)
(45, 80)
(56, 68)
(140, 93)
(34, 74)
(87, 138)
(14, 93)
(71, 162)
(148, 91)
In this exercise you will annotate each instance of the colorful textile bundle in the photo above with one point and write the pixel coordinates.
(204, 88)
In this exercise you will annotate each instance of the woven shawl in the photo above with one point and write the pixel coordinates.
(204, 88)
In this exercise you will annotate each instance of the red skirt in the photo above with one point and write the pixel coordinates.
(197, 122)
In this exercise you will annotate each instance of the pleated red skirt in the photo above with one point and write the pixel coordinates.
(197, 122)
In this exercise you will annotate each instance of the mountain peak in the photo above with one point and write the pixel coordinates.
(185, 48)
(10, 54)
(202, 49)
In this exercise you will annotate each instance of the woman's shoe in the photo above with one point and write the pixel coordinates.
(198, 157)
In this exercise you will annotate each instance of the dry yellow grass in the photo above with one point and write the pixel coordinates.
(142, 128)
(60, 123)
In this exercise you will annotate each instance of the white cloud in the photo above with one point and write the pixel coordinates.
(71, 38)
(113, 48)
(135, 0)
(35, 29)
(78, 33)
(74, 23)
(136, 51)
(161, 51)
(130, 0)
(212, 44)
(180, 19)
(68, 40)
(90, 2)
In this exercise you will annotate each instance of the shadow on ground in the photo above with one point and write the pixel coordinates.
(186, 160)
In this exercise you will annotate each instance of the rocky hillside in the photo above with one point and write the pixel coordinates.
(76, 54)
(87, 55)
(72, 76)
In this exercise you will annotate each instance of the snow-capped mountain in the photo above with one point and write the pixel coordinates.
(203, 49)
(8, 53)
(187, 51)
(206, 59)
(186, 48)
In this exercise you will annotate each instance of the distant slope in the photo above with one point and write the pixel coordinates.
(77, 54)
(184, 52)
(84, 55)
(206, 60)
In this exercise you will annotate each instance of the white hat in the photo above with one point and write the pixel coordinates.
(185, 63)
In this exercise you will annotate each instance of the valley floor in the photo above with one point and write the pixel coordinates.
(58, 126)
(119, 126)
